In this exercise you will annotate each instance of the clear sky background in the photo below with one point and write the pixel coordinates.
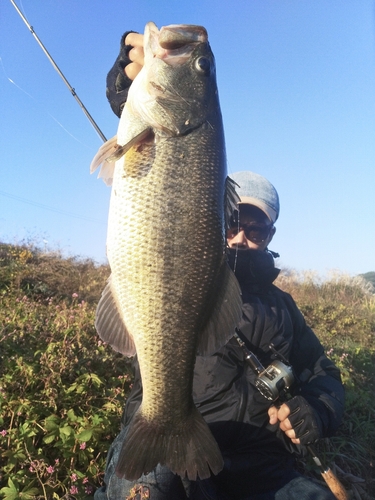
(297, 89)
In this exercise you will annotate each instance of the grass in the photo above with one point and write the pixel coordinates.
(341, 310)
(62, 391)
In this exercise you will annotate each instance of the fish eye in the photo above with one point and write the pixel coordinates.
(203, 65)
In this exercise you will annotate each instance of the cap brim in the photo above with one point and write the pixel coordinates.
(247, 200)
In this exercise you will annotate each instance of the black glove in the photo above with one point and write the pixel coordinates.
(117, 82)
(305, 420)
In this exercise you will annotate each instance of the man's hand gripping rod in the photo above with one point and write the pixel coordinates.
(275, 380)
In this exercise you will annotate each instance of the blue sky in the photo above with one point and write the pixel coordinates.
(297, 89)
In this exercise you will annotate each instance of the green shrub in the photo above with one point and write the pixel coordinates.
(62, 391)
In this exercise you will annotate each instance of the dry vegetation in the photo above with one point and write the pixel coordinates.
(62, 391)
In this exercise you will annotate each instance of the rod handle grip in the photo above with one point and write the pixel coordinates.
(334, 485)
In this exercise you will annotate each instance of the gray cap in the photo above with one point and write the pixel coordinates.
(256, 190)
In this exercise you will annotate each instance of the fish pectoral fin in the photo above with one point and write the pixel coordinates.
(110, 324)
(107, 169)
(187, 448)
(231, 199)
(111, 151)
(226, 314)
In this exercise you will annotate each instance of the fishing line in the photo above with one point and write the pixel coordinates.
(51, 209)
(40, 104)
(73, 92)
(12, 81)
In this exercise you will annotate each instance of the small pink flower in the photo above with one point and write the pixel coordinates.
(85, 480)
(50, 469)
(57, 461)
(31, 469)
(73, 490)
(75, 295)
(89, 489)
(3, 432)
(73, 477)
(82, 446)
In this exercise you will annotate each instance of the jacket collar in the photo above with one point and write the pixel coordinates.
(253, 267)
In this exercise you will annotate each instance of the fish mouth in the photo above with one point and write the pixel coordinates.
(176, 36)
(174, 43)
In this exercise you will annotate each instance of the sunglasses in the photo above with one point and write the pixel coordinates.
(253, 232)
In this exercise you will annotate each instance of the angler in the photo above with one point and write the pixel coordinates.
(258, 443)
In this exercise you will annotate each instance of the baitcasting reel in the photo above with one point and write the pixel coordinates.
(273, 381)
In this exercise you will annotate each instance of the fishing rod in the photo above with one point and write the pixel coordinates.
(73, 92)
(274, 383)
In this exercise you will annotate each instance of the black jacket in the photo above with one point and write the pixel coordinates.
(224, 389)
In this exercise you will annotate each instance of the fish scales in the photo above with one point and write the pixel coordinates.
(171, 292)
(158, 244)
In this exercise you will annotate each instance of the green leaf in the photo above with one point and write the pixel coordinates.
(66, 430)
(10, 492)
(96, 380)
(72, 388)
(52, 422)
(14, 455)
(29, 494)
(71, 415)
(85, 435)
(49, 438)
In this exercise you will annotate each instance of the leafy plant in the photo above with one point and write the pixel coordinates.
(62, 391)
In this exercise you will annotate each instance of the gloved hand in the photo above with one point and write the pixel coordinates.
(117, 82)
(298, 420)
(304, 420)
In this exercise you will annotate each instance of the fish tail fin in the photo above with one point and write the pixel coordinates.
(189, 450)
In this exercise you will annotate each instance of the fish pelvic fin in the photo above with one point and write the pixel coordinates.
(226, 314)
(110, 325)
(188, 450)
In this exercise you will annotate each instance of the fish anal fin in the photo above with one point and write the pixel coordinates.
(226, 314)
(188, 450)
(110, 325)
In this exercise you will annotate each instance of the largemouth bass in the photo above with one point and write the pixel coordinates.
(171, 293)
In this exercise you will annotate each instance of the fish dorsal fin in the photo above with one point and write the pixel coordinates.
(110, 325)
(225, 316)
(231, 199)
